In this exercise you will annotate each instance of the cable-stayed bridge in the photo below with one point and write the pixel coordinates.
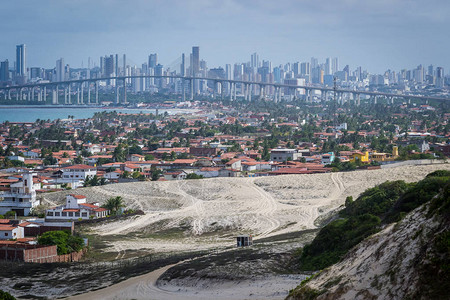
(86, 90)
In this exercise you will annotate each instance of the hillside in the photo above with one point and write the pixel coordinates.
(406, 260)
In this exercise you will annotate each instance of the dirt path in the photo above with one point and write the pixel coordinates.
(140, 287)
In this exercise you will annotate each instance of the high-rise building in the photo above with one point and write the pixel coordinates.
(440, 77)
(430, 70)
(314, 63)
(335, 65)
(60, 70)
(152, 60)
(183, 65)
(4, 70)
(305, 69)
(109, 66)
(36, 73)
(195, 60)
(21, 63)
(327, 66)
(296, 69)
(254, 62)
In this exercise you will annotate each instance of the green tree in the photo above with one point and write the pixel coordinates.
(114, 204)
(6, 296)
(65, 242)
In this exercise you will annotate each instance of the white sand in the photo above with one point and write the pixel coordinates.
(262, 206)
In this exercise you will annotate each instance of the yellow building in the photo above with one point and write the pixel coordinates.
(362, 157)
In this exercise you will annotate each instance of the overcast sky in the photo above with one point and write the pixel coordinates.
(377, 35)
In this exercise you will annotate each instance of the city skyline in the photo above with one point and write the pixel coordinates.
(377, 36)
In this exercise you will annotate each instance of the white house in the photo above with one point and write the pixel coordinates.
(284, 154)
(21, 197)
(175, 175)
(76, 208)
(9, 230)
(75, 175)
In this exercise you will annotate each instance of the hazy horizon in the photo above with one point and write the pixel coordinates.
(376, 35)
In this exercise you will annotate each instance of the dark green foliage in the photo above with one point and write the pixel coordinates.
(114, 204)
(382, 204)
(417, 195)
(439, 173)
(6, 296)
(65, 242)
(377, 200)
(194, 176)
(335, 239)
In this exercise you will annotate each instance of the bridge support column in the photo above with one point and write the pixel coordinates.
(89, 92)
(29, 95)
(324, 96)
(191, 84)
(311, 96)
(18, 94)
(70, 96)
(261, 92)
(183, 90)
(96, 92)
(45, 94)
(78, 94)
(54, 96)
(82, 93)
(9, 94)
(358, 99)
(221, 89)
(235, 88)
(231, 91)
(117, 93)
(125, 92)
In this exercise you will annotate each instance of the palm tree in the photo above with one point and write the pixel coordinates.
(114, 204)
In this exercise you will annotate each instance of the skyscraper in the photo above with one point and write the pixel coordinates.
(195, 60)
(152, 60)
(254, 63)
(334, 65)
(4, 70)
(327, 66)
(183, 65)
(21, 63)
(439, 77)
(60, 71)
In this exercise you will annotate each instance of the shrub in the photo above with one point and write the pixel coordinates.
(65, 242)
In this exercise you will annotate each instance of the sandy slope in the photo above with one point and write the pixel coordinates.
(212, 211)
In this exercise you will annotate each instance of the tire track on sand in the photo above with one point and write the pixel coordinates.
(268, 206)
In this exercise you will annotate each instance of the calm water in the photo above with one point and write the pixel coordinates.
(30, 114)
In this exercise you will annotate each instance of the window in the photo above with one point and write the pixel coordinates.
(6, 234)
(64, 214)
(70, 214)
(50, 214)
(84, 214)
(57, 213)
(77, 214)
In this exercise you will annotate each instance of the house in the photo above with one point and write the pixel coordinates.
(21, 196)
(75, 175)
(175, 175)
(10, 229)
(327, 158)
(76, 208)
(359, 156)
(137, 157)
(284, 154)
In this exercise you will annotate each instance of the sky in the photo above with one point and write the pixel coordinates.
(377, 35)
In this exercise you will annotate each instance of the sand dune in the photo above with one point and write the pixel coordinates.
(210, 212)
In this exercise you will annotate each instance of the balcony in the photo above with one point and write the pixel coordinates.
(16, 204)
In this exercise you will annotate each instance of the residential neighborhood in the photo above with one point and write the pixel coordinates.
(214, 139)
